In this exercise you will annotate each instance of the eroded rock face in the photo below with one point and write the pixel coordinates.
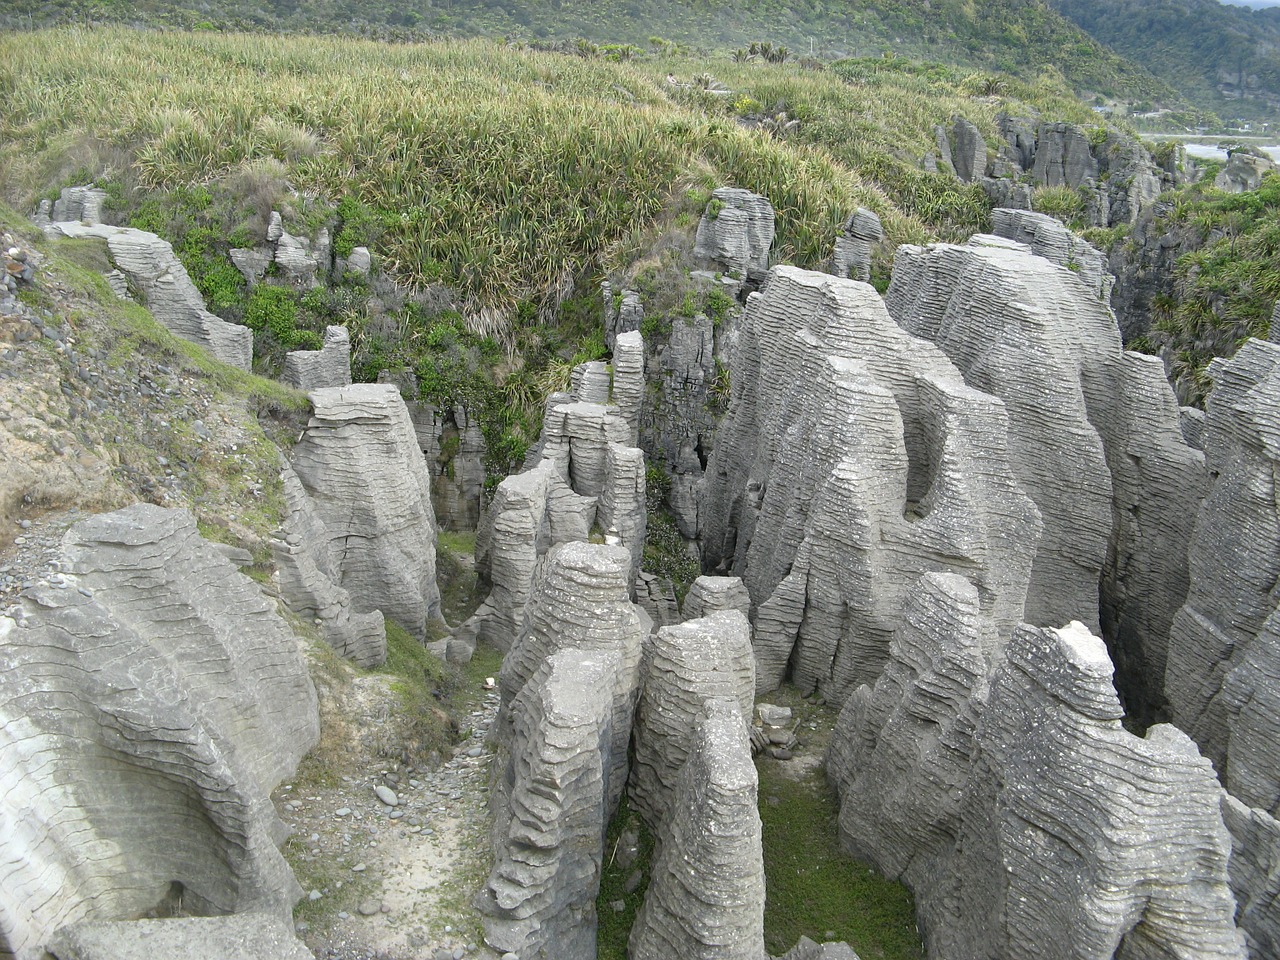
(713, 594)
(550, 804)
(853, 459)
(1255, 875)
(683, 666)
(360, 462)
(254, 936)
(861, 233)
(1224, 648)
(706, 895)
(167, 290)
(80, 205)
(1001, 786)
(736, 233)
(1093, 432)
(329, 366)
(148, 707)
(309, 577)
(1048, 238)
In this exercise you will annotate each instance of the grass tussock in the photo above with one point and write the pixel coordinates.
(504, 173)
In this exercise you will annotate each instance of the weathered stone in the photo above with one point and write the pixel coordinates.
(807, 949)
(79, 205)
(360, 261)
(167, 290)
(620, 512)
(1242, 173)
(309, 573)
(550, 803)
(360, 462)
(706, 895)
(628, 381)
(300, 260)
(590, 382)
(969, 153)
(241, 936)
(736, 232)
(148, 707)
(1064, 157)
(852, 258)
(252, 263)
(712, 594)
(683, 666)
(329, 366)
(1255, 875)
(1048, 238)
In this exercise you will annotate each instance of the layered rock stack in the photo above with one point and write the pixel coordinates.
(735, 233)
(584, 475)
(329, 366)
(853, 459)
(154, 269)
(1048, 238)
(1094, 439)
(150, 700)
(855, 243)
(1001, 786)
(360, 463)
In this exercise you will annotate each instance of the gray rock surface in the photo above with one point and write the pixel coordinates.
(1243, 172)
(309, 573)
(360, 462)
(1064, 157)
(581, 602)
(620, 511)
(706, 895)
(251, 262)
(302, 261)
(1223, 669)
(628, 380)
(151, 699)
(683, 666)
(738, 237)
(853, 459)
(167, 290)
(241, 936)
(807, 949)
(1050, 239)
(969, 150)
(1255, 875)
(550, 803)
(329, 366)
(1080, 409)
(79, 205)
(854, 244)
(712, 594)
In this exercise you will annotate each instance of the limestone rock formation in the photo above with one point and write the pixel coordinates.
(620, 511)
(360, 462)
(309, 579)
(167, 290)
(1255, 875)
(861, 233)
(254, 936)
(853, 459)
(329, 366)
(623, 313)
(683, 666)
(1048, 238)
(1081, 412)
(581, 602)
(1027, 821)
(551, 809)
(712, 594)
(79, 205)
(252, 263)
(1243, 172)
(736, 232)
(706, 895)
(807, 949)
(302, 261)
(150, 701)
(1064, 157)
(969, 151)
(628, 380)
(1223, 669)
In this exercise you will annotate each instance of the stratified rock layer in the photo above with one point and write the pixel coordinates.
(148, 706)
(1050, 239)
(706, 896)
(551, 807)
(1094, 438)
(712, 594)
(255, 936)
(167, 290)
(360, 462)
(853, 459)
(683, 666)
(736, 232)
(329, 366)
(309, 576)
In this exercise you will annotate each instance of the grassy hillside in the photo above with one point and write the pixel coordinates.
(1210, 52)
(1015, 36)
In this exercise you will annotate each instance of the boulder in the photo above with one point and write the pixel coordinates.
(360, 462)
(736, 232)
(706, 895)
(167, 290)
(79, 205)
(1243, 172)
(712, 594)
(309, 577)
(329, 366)
(150, 700)
(252, 263)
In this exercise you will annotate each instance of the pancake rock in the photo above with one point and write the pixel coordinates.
(628, 380)
(167, 290)
(861, 233)
(149, 704)
(712, 594)
(256, 936)
(1255, 875)
(580, 602)
(551, 809)
(1223, 674)
(360, 462)
(736, 232)
(1093, 433)
(329, 366)
(683, 666)
(807, 949)
(309, 575)
(706, 898)
(853, 459)
(1048, 238)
